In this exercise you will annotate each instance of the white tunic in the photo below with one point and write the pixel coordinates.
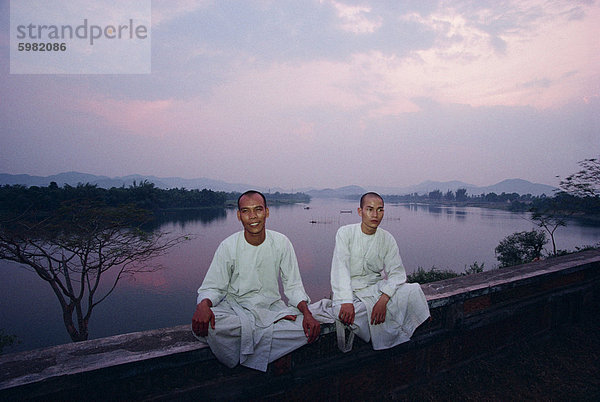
(242, 284)
(365, 266)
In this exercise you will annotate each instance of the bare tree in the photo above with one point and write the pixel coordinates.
(73, 247)
(583, 184)
(550, 221)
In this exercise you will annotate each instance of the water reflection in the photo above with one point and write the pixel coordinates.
(445, 237)
(451, 212)
(434, 209)
(186, 217)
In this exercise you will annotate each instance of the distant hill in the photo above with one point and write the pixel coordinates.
(336, 193)
(73, 178)
(519, 186)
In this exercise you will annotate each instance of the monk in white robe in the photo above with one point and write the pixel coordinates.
(368, 282)
(239, 312)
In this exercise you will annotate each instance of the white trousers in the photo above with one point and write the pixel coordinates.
(265, 344)
(406, 310)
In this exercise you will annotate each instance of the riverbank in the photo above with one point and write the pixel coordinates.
(586, 219)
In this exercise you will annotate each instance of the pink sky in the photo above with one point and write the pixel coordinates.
(325, 94)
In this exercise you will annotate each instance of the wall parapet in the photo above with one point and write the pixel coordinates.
(472, 316)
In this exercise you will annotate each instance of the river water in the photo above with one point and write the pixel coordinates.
(444, 237)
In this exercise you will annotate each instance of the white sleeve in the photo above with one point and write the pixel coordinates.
(290, 275)
(216, 280)
(394, 268)
(341, 282)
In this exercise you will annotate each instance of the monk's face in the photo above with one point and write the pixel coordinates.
(253, 214)
(371, 213)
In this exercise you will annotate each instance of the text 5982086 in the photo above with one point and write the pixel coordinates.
(41, 47)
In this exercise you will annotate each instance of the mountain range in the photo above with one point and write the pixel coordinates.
(519, 186)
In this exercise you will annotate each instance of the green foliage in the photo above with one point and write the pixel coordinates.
(562, 204)
(586, 247)
(286, 198)
(580, 193)
(435, 195)
(474, 268)
(520, 248)
(276, 198)
(461, 194)
(6, 340)
(577, 250)
(432, 275)
(512, 200)
(144, 195)
(586, 182)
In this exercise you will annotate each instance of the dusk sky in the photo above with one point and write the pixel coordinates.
(325, 94)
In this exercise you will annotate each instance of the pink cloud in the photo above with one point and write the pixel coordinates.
(164, 11)
(140, 117)
(356, 19)
(547, 49)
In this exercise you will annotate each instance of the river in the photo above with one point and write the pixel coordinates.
(444, 237)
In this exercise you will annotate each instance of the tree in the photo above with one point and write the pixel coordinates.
(520, 248)
(550, 220)
(474, 268)
(461, 194)
(586, 182)
(435, 195)
(491, 197)
(432, 275)
(72, 248)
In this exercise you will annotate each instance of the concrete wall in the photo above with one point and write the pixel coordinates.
(471, 316)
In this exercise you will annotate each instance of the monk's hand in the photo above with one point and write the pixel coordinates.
(312, 327)
(379, 310)
(203, 317)
(347, 313)
(289, 317)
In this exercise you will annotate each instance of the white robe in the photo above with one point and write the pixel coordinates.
(365, 266)
(242, 284)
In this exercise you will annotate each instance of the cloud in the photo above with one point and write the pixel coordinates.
(486, 57)
(356, 19)
(165, 11)
(140, 117)
(324, 92)
(539, 83)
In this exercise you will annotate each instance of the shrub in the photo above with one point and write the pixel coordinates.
(474, 268)
(433, 275)
(520, 248)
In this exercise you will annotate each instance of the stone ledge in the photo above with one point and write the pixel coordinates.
(40, 364)
(37, 365)
(446, 292)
